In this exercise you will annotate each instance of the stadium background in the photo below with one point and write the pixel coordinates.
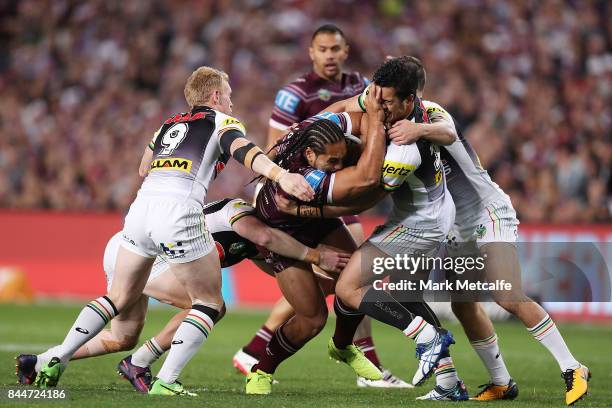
(85, 84)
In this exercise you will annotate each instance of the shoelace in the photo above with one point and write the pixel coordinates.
(568, 377)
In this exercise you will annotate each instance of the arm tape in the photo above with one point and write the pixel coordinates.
(247, 154)
(228, 137)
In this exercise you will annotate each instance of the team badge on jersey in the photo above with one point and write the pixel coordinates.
(324, 95)
(481, 230)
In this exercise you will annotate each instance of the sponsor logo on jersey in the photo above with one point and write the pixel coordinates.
(233, 123)
(184, 118)
(314, 178)
(395, 169)
(433, 109)
(324, 94)
(172, 164)
(286, 101)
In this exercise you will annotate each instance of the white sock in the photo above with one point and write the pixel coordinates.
(89, 322)
(488, 351)
(546, 332)
(446, 374)
(147, 354)
(44, 358)
(420, 331)
(188, 338)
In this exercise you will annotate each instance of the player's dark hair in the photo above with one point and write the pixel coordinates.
(328, 29)
(421, 75)
(400, 74)
(316, 136)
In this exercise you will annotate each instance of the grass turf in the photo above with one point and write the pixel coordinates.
(309, 379)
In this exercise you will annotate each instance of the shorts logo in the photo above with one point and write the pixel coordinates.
(481, 230)
(394, 169)
(237, 248)
(173, 253)
(179, 164)
(324, 94)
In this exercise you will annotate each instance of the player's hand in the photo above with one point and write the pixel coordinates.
(373, 103)
(404, 132)
(296, 185)
(332, 261)
(286, 205)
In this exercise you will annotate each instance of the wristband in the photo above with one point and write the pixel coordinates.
(309, 211)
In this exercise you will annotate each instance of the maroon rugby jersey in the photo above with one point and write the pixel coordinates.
(310, 94)
(309, 231)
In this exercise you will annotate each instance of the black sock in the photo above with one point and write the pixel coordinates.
(347, 321)
(383, 307)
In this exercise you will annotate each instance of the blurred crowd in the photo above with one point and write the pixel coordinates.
(85, 84)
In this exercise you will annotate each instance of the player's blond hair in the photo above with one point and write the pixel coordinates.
(202, 83)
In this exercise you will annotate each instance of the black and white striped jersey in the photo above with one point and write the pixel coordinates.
(187, 153)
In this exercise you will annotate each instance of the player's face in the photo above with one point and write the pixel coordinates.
(331, 160)
(395, 108)
(328, 52)
(225, 98)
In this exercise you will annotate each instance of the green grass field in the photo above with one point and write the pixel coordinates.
(309, 379)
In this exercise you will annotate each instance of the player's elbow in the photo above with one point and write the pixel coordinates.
(371, 181)
(449, 135)
(264, 238)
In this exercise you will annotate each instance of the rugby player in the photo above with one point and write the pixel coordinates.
(422, 215)
(236, 232)
(166, 217)
(486, 225)
(297, 101)
(317, 149)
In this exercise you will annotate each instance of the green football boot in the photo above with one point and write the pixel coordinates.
(355, 358)
(160, 387)
(49, 374)
(258, 383)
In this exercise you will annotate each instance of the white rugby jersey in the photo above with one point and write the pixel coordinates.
(413, 174)
(187, 154)
(469, 184)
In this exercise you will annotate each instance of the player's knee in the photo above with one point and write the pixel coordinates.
(316, 323)
(348, 296)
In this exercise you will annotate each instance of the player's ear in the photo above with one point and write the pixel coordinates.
(216, 96)
(310, 155)
(311, 52)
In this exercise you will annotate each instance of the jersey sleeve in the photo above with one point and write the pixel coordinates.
(437, 113)
(231, 123)
(400, 162)
(322, 183)
(288, 108)
(361, 98)
(155, 135)
(343, 120)
(236, 209)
